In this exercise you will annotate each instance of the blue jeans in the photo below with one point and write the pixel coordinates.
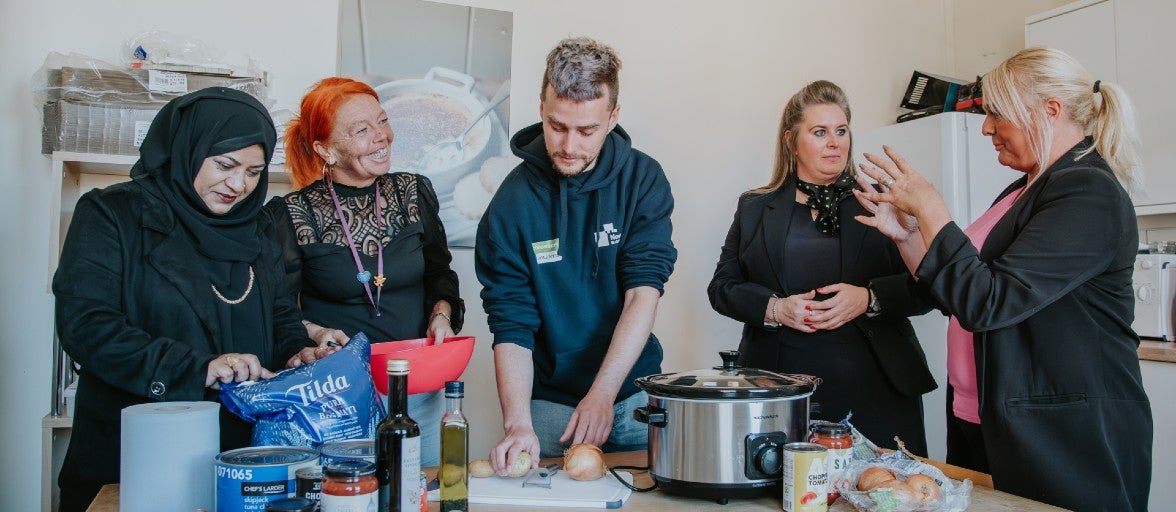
(550, 419)
(426, 409)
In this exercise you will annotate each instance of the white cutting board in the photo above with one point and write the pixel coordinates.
(604, 492)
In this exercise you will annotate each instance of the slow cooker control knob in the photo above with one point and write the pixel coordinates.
(767, 459)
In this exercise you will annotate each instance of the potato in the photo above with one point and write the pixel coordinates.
(480, 468)
(522, 464)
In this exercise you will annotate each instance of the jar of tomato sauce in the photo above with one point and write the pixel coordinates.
(838, 439)
(349, 485)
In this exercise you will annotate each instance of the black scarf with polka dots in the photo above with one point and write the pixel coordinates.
(825, 198)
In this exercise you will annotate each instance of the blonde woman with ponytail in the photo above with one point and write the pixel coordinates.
(1044, 380)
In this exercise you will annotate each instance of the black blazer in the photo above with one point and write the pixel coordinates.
(1062, 406)
(751, 269)
(135, 310)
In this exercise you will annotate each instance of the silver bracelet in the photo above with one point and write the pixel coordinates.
(442, 315)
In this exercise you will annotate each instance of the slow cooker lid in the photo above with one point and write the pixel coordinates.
(729, 381)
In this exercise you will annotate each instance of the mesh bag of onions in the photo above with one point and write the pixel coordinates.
(897, 482)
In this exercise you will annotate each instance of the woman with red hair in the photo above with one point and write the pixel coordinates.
(364, 249)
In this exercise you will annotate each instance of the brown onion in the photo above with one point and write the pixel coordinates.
(584, 462)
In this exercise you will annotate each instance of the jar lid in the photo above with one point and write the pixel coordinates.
(352, 468)
(290, 505)
(729, 381)
(829, 428)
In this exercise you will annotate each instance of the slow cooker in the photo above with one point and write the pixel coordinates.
(717, 433)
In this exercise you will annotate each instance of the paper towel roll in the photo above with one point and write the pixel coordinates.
(168, 455)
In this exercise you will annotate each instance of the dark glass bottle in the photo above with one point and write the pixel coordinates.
(455, 451)
(398, 447)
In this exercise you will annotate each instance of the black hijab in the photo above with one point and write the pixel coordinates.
(189, 129)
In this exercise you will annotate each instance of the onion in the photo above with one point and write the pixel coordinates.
(924, 486)
(872, 477)
(584, 462)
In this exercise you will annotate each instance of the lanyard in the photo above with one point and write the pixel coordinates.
(364, 276)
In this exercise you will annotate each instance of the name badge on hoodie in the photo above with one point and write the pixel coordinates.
(546, 251)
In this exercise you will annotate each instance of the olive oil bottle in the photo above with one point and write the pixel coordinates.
(398, 448)
(455, 451)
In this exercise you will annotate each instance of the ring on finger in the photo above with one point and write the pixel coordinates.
(888, 182)
(231, 361)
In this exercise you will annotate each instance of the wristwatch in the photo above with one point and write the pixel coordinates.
(874, 308)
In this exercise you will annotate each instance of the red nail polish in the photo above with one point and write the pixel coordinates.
(808, 308)
(806, 320)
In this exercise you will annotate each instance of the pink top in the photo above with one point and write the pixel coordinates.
(961, 358)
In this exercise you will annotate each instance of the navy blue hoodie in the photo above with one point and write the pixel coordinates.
(555, 256)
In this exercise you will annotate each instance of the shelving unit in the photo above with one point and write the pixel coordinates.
(71, 175)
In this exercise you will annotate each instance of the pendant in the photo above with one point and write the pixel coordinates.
(379, 280)
(364, 277)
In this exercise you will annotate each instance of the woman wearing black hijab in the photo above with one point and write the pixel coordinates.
(169, 285)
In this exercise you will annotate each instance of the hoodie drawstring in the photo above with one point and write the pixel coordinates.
(561, 227)
(597, 224)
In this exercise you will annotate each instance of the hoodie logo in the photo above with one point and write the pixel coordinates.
(607, 236)
(546, 251)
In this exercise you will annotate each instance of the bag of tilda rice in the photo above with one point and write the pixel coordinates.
(332, 399)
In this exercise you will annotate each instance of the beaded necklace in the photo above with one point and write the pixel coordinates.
(363, 276)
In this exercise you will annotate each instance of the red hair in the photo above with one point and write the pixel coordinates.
(314, 123)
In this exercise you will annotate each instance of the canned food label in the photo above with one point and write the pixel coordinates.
(248, 479)
(806, 478)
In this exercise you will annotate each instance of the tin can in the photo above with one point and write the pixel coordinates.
(836, 437)
(309, 483)
(354, 449)
(806, 480)
(249, 478)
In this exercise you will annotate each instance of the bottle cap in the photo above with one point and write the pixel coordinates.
(455, 388)
(397, 366)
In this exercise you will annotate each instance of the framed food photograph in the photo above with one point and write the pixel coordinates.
(442, 72)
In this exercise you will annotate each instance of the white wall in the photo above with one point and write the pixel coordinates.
(296, 40)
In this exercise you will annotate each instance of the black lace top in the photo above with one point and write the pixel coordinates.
(320, 267)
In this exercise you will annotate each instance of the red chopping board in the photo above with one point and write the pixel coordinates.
(605, 492)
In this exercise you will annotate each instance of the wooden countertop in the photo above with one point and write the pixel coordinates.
(983, 499)
(1151, 350)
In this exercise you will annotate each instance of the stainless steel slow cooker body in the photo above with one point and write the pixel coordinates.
(717, 433)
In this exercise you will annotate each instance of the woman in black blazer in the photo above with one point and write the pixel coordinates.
(1048, 299)
(169, 284)
(819, 293)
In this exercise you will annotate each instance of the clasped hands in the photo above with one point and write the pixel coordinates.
(805, 314)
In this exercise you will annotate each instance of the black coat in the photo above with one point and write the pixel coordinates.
(1062, 406)
(751, 269)
(135, 310)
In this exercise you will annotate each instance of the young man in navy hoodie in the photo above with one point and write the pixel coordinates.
(573, 254)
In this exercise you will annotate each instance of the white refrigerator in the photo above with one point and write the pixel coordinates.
(949, 150)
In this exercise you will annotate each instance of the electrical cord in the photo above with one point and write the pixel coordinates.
(629, 485)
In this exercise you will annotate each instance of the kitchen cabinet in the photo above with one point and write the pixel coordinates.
(1124, 41)
(71, 175)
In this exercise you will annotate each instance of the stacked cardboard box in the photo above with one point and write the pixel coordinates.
(108, 111)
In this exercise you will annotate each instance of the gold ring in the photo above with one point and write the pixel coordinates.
(232, 361)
